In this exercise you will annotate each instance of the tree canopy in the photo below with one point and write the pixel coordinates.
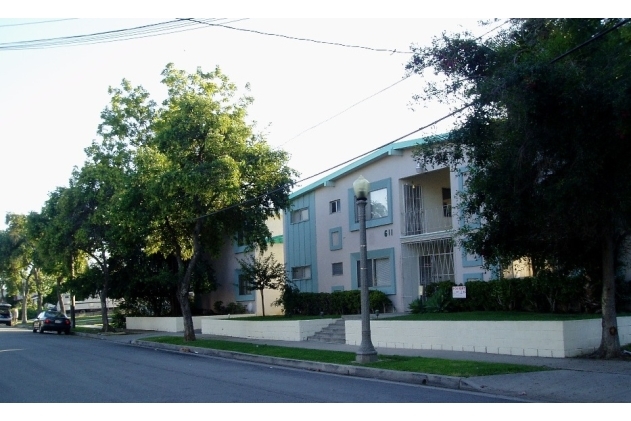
(161, 191)
(543, 144)
(200, 173)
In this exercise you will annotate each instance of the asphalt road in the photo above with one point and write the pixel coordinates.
(52, 368)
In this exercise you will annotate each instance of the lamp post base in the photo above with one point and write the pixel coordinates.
(366, 357)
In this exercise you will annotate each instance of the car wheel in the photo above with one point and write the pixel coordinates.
(41, 329)
(34, 329)
(59, 332)
(67, 331)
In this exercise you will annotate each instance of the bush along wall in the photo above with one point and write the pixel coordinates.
(336, 303)
(546, 293)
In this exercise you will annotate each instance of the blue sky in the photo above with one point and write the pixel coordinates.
(52, 97)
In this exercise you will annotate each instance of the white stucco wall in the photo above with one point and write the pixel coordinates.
(294, 330)
(161, 324)
(556, 339)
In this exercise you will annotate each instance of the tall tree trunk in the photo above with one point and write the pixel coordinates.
(60, 298)
(25, 293)
(184, 282)
(187, 315)
(104, 292)
(610, 342)
(38, 288)
(262, 303)
(72, 300)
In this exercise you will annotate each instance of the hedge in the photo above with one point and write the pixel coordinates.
(339, 302)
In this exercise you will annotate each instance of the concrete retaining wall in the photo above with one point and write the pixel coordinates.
(295, 330)
(161, 324)
(556, 339)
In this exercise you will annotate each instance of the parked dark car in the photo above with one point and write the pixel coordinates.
(5, 314)
(51, 320)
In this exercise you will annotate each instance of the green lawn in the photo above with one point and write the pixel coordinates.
(284, 318)
(89, 323)
(387, 362)
(497, 316)
(89, 319)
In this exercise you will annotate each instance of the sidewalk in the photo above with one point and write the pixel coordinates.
(573, 380)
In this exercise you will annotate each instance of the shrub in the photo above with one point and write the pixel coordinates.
(231, 308)
(439, 302)
(236, 308)
(338, 302)
(478, 297)
(118, 319)
(379, 301)
(417, 306)
(548, 291)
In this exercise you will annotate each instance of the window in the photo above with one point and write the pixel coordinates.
(337, 269)
(469, 221)
(241, 241)
(378, 201)
(334, 206)
(244, 286)
(300, 215)
(380, 270)
(301, 272)
(378, 206)
(377, 272)
(470, 259)
(446, 202)
(335, 238)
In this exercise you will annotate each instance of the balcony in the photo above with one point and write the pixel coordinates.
(426, 220)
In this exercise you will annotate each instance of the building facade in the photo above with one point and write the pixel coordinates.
(411, 219)
(232, 288)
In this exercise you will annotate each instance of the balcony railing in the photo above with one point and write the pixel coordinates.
(427, 220)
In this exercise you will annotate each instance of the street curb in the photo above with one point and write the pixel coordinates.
(434, 380)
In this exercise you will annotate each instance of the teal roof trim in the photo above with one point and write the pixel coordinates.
(391, 149)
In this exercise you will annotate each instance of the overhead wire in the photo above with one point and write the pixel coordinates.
(344, 110)
(348, 161)
(375, 94)
(143, 31)
(36, 23)
(338, 44)
(457, 111)
(592, 39)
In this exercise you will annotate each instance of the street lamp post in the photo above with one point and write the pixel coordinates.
(366, 352)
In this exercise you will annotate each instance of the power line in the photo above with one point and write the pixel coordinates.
(457, 111)
(343, 111)
(375, 94)
(492, 30)
(592, 39)
(338, 44)
(161, 28)
(335, 166)
(36, 23)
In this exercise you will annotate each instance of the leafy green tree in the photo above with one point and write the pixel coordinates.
(201, 173)
(9, 277)
(262, 273)
(544, 143)
(93, 206)
(16, 257)
(53, 226)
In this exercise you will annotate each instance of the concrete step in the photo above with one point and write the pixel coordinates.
(334, 333)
